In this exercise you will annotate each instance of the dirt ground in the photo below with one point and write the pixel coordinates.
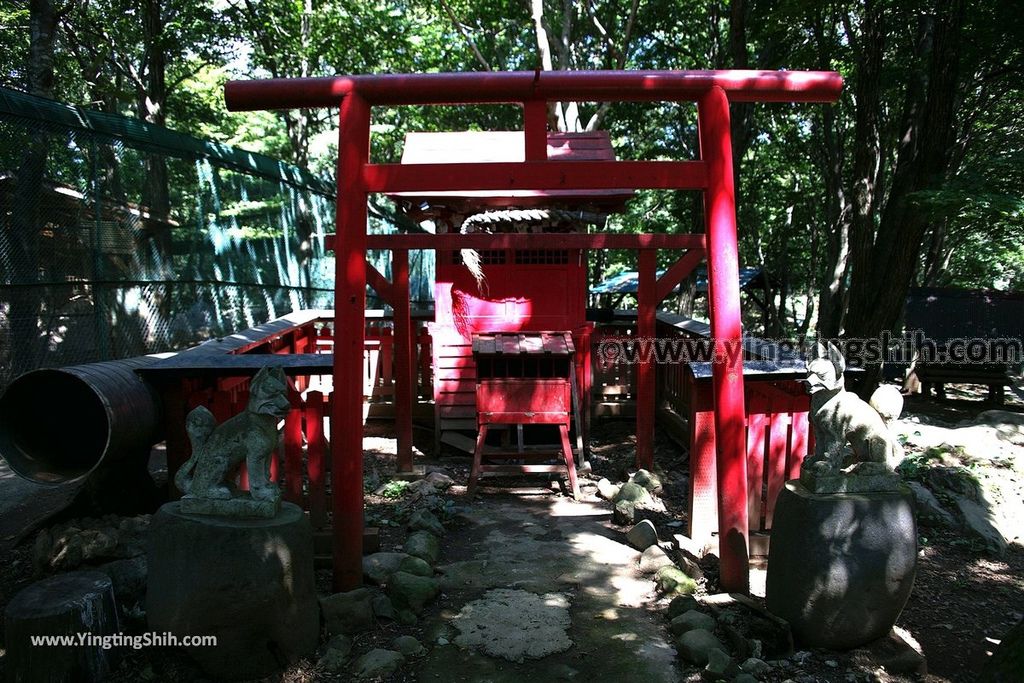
(961, 604)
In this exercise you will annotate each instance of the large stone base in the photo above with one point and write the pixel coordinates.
(840, 566)
(249, 582)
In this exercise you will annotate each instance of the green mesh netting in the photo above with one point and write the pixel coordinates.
(119, 238)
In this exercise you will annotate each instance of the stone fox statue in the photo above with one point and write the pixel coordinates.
(250, 437)
(840, 417)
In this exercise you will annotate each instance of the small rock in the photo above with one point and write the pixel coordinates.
(342, 643)
(680, 604)
(424, 545)
(382, 607)
(928, 507)
(378, 567)
(695, 645)
(424, 520)
(643, 535)
(689, 566)
(690, 546)
(634, 493)
(406, 617)
(420, 487)
(408, 646)
(349, 612)
(688, 621)
(336, 655)
(333, 661)
(624, 513)
(653, 559)
(607, 490)
(647, 479)
(378, 663)
(831, 663)
(897, 652)
(756, 666)
(673, 580)
(977, 521)
(442, 641)
(415, 565)
(720, 666)
(408, 591)
(439, 480)
(128, 578)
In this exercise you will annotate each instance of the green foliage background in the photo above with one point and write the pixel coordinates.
(786, 202)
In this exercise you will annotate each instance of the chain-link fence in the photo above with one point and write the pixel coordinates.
(118, 238)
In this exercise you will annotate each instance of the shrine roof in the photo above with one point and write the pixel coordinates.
(469, 147)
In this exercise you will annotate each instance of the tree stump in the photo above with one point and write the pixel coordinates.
(79, 605)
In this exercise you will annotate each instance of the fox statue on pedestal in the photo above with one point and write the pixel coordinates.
(208, 477)
(840, 417)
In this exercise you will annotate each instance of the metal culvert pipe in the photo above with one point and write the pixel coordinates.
(58, 424)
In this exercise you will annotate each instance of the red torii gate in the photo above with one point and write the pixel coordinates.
(712, 174)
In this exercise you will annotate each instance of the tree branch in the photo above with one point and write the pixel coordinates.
(465, 35)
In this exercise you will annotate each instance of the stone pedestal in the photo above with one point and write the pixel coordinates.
(79, 605)
(841, 565)
(249, 582)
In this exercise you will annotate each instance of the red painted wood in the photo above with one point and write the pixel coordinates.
(293, 452)
(380, 284)
(535, 130)
(522, 86)
(703, 517)
(777, 447)
(523, 400)
(757, 423)
(572, 240)
(350, 306)
(799, 442)
(678, 272)
(314, 420)
(404, 379)
(646, 318)
(541, 176)
(727, 372)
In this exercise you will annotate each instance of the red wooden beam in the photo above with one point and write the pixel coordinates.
(727, 371)
(522, 86)
(647, 307)
(679, 271)
(349, 307)
(535, 130)
(380, 284)
(404, 380)
(536, 175)
(455, 241)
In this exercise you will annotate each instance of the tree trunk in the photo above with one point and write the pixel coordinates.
(27, 216)
(152, 107)
(866, 154)
(878, 295)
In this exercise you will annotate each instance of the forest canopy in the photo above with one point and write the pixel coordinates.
(913, 178)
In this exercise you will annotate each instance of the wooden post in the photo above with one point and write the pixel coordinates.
(727, 370)
(404, 378)
(350, 309)
(645, 389)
